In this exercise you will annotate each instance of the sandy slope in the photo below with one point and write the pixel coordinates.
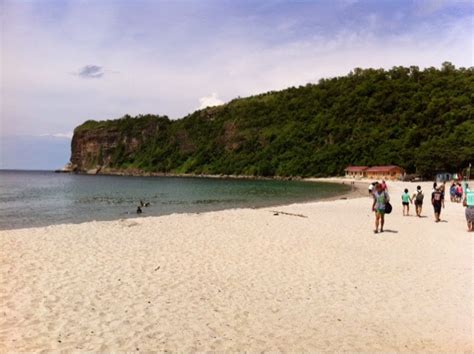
(242, 280)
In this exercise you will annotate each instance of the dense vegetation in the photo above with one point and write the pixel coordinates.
(421, 120)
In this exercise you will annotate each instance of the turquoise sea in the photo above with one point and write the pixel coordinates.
(39, 198)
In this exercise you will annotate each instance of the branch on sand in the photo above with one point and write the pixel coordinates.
(275, 212)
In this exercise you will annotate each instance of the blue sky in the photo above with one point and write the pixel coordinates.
(64, 62)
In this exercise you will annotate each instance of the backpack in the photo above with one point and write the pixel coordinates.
(437, 196)
(419, 197)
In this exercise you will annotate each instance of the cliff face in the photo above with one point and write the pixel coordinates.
(147, 144)
(88, 146)
(97, 146)
(419, 120)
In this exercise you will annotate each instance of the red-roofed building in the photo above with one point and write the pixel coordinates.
(385, 172)
(356, 171)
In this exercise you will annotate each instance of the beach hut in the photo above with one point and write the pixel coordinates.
(391, 172)
(355, 171)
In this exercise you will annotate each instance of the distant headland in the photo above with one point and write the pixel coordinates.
(421, 120)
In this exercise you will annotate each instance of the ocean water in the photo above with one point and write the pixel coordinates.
(34, 198)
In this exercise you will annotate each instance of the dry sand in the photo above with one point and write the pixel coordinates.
(242, 280)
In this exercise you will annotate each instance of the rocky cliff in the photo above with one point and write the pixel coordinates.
(99, 146)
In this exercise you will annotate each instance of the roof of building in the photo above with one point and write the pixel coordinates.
(356, 168)
(384, 168)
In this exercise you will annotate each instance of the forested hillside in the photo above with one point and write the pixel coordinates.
(421, 120)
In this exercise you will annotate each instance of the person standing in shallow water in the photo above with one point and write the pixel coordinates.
(381, 198)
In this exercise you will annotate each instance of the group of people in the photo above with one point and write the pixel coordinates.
(142, 204)
(437, 200)
(456, 192)
(381, 202)
(417, 199)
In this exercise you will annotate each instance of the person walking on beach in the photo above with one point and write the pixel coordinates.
(452, 192)
(406, 200)
(437, 199)
(459, 193)
(468, 203)
(381, 198)
(418, 197)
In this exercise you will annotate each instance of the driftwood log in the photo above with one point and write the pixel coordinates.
(275, 212)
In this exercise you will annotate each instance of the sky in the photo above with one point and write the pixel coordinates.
(64, 62)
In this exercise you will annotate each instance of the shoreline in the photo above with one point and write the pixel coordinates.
(139, 173)
(358, 190)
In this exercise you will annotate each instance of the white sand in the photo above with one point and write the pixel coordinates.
(242, 280)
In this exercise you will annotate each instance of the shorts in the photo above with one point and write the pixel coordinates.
(405, 203)
(418, 203)
(470, 214)
(437, 208)
(380, 211)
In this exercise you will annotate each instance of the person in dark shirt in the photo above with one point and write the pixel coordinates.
(418, 197)
(437, 199)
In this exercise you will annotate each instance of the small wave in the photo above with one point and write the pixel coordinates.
(217, 201)
(174, 202)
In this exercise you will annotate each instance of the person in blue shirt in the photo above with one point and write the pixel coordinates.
(406, 200)
(468, 202)
(452, 192)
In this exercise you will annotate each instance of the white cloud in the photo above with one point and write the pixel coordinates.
(210, 101)
(59, 135)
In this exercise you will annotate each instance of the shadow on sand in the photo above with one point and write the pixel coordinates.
(391, 231)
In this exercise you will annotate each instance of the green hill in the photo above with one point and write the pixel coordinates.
(421, 120)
